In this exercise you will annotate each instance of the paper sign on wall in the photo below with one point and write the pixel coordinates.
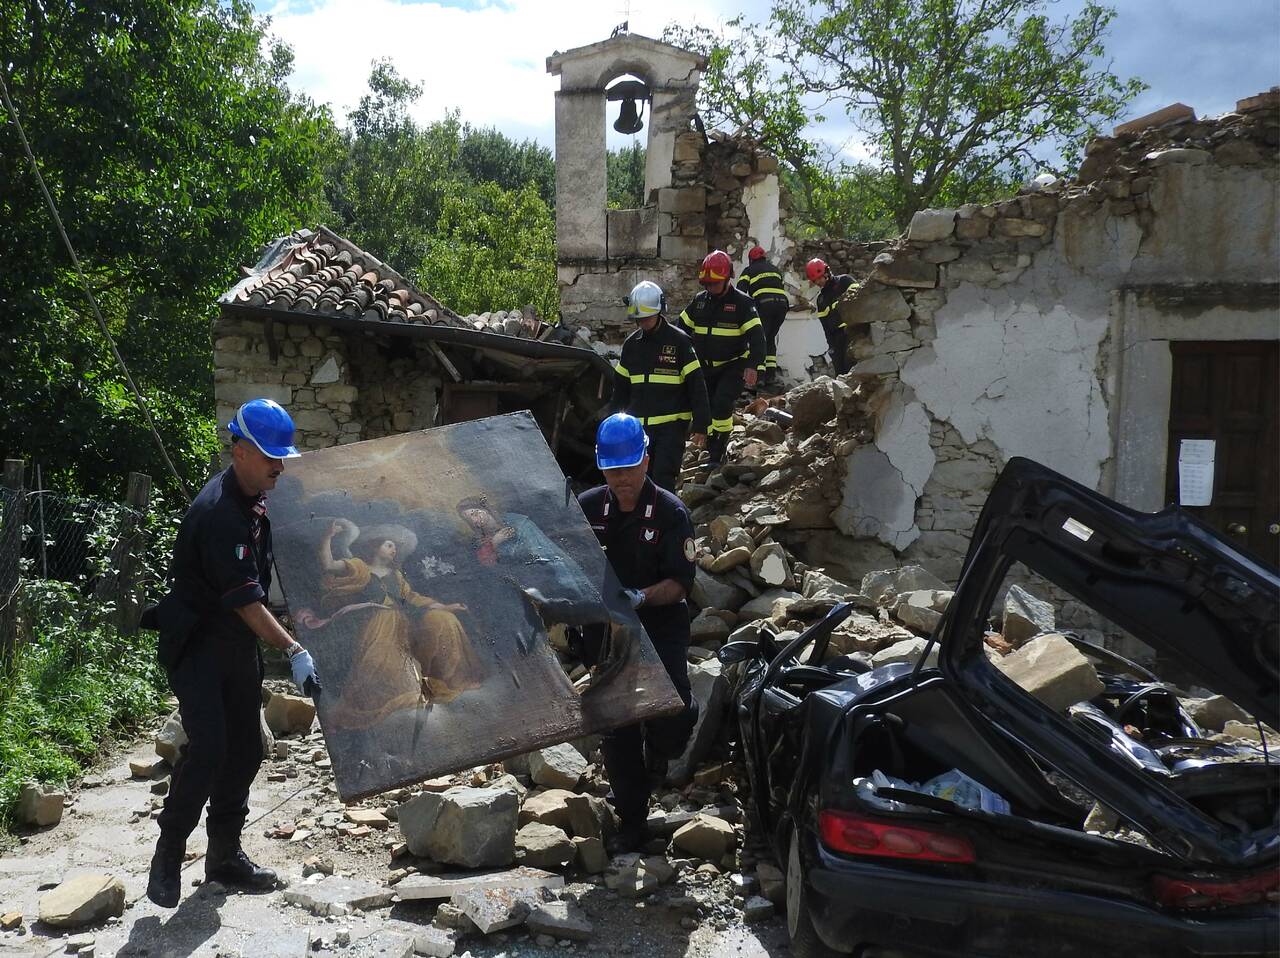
(1195, 472)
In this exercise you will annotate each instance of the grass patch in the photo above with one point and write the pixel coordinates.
(71, 686)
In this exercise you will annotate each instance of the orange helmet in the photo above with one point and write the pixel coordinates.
(815, 269)
(756, 252)
(716, 268)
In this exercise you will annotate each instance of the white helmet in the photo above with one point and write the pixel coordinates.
(646, 299)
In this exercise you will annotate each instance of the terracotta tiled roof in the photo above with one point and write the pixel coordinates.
(321, 273)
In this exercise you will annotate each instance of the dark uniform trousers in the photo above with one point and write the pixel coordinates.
(666, 452)
(218, 683)
(652, 543)
(773, 314)
(724, 385)
(221, 562)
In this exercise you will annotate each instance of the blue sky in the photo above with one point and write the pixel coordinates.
(487, 57)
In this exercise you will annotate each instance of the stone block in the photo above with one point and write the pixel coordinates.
(811, 405)
(708, 629)
(1214, 712)
(432, 942)
(590, 817)
(334, 895)
(290, 714)
(769, 565)
(368, 817)
(39, 805)
(710, 593)
(687, 249)
(550, 808)
(426, 887)
(472, 827)
(909, 651)
(1168, 114)
(756, 908)
(1270, 100)
(560, 766)
(1025, 616)
(883, 587)
(493, 909)
(682, 200)
(1050, 668)
(973, 228)
(706, 837)
(83, 901)
(905, 271)
(928, 226)
(592, 858)
(916, 611)
(729, 559)
(544, 846)
(1179, 155)
(874, 304)
(1016, 226)
(171, 738)
(562, 920)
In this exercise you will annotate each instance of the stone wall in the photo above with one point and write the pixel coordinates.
(1002, 330)
(338, 388)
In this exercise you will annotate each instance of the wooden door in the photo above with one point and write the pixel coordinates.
(1229, 392)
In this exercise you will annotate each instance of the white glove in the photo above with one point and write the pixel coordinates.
(304, 673)
(635, 597)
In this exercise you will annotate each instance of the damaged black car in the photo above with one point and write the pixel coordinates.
(1053, 799)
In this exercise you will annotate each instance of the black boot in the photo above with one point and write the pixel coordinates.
(226, 862)
(632, 836)
(164, 884)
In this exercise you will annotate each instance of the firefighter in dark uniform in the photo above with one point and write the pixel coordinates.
(833, 327)
(210, 623)
(763, 281)
(729, 341)
(659, 381)
(648, 538)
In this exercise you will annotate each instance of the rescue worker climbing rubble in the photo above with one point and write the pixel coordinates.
(659, 380)
(833, 327)
(763, 281)
(210, 623)
(729, 339)
(647, 536)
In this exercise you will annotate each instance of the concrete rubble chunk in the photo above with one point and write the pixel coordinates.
(811, 404)
(915, 611)
(711, 593)
(432, 942)
(560, 766)
(82, 901)
(423, 887)
(1025, 616)
(705, 837)
(368, 817)
(756, 908)
(884, 586)
(769, 564)
(763, 606)
(544, 846)
(562, 920)
(773, 883)
(909, 651)
(40, 805)
(719, 529)
(10, 920)
(334, 895)
(1053, 670)
(290, 714)
(550, 807)
(709, 689)
(171, 738)
(493, 909)
(147, 766)
(592, 857)
(1214, 712)
(928, 226)
(1182, 154)
(471, 827)
(590, 816)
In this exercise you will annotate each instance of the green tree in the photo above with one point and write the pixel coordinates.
(624, 177)
(174, 149)
(955, 97)
(487, 156)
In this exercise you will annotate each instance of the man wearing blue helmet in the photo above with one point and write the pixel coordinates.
(209, 625)
(647, 535)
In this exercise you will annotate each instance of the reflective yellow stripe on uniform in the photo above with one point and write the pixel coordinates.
(662, 379)
(669, 417)
(724, 331)
(751, 323)
(732, 359)
(824, 313)
(690, 366)
(768, 289)
(771, 362)
(622, 370)
(684, 318)
(721, 425)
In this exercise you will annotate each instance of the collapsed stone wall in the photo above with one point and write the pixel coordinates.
(997, 330)
(339, 389)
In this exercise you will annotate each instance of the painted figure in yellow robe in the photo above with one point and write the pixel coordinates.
(411, 650)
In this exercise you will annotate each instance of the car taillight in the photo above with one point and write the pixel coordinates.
(1209, 893)
(855, 835)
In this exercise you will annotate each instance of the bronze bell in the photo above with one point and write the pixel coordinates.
(628, 120)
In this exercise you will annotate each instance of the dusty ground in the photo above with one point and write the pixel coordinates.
(108, 829)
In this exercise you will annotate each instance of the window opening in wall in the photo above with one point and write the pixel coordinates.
(625, 163)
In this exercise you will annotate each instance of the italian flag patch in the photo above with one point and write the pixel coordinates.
(242, 552)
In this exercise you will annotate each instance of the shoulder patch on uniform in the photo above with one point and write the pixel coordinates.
(242, 552)
(690, 550)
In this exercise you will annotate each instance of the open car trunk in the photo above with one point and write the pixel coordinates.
(1166, 579)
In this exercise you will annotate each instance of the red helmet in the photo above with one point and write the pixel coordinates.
(716, 268)
(756, 252)
(815, 269)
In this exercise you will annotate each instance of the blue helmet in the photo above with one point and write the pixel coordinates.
(265, 423)
(620, 442)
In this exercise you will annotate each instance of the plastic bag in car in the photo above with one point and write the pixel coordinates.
(957, 787)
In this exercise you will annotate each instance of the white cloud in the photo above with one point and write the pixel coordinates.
(489, 61)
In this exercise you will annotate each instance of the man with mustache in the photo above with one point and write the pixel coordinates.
(210, 623)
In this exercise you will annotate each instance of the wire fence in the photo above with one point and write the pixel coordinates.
(84, 549)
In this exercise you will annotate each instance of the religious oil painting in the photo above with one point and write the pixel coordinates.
(435, 576)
